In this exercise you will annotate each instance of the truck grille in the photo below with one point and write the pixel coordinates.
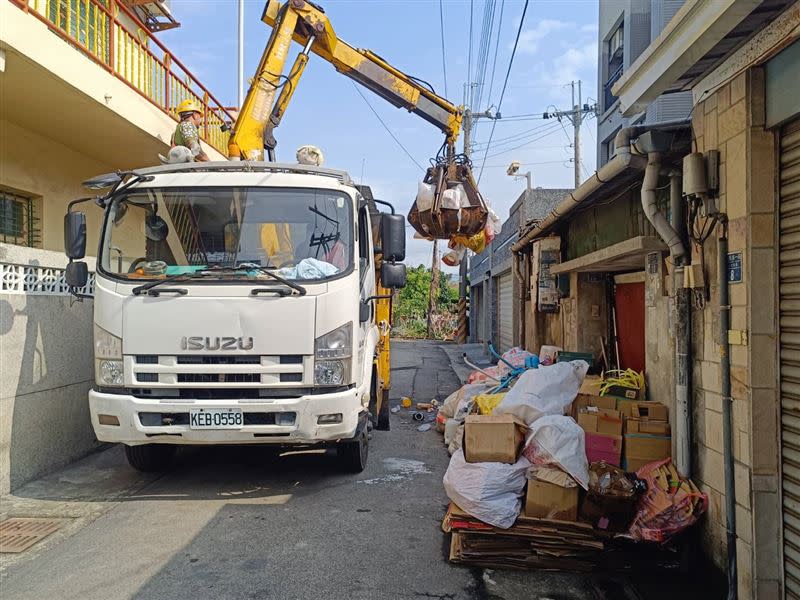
(219, 371)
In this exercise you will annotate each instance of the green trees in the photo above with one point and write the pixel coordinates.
(411, 306)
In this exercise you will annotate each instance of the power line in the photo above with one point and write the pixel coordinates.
(444, 60)
(496, 46)
(530, 164)
(542, 135)
(505, 83)
(468, 91)
(518, 136)
(385, 126)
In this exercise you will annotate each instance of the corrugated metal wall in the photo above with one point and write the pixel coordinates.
(790, 351)
(505, 311)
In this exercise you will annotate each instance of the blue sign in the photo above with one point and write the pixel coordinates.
(735, 267)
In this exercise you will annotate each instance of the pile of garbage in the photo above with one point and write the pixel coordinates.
(558, 475)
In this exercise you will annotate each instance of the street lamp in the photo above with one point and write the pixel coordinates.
(513, 171)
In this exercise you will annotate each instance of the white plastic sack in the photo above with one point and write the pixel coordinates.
(559, 440)
(456, 439)
(455, 197)
(544, 391)
(310, 155)
(424, 196)
(467, 399)
(488, 491)
(309, 268)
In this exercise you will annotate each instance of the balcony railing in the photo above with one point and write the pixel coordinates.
(110, 34)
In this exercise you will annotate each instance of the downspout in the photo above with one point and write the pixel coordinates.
(727, 407)
(682, 330)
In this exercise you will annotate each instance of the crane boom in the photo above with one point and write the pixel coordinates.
(307, 24)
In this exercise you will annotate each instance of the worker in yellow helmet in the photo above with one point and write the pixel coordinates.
(187, 133)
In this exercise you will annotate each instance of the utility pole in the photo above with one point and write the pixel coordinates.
(575, 116)
(434, 290)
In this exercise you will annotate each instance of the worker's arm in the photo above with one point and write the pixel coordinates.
(308, 25)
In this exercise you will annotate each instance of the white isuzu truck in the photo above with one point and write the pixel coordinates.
(238, 303)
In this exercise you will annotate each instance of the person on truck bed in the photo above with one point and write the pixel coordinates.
(187, 133)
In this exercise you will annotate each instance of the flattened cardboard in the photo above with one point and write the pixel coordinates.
(591, 385)
(600, 420)
(493, 438)
(546, 500)
(650, 410)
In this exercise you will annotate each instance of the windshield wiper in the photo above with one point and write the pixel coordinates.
(137, 291)
(267, 271)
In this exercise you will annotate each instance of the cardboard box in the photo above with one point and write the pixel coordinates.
(600, 420)
(618, 391)
(605, 447)
(647, 426)
(654, 411)
(493, 438)
(643, 448)
(626, 407)
(545, 500)
(584, 400)
(591, 385)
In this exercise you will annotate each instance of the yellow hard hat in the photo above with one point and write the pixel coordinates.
(189, 105)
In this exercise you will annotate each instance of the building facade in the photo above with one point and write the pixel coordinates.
(702, 291)
(494, 290)
(85, 88)
(626, 28)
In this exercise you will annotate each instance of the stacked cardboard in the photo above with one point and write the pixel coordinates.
(493, 438)
(647, 435)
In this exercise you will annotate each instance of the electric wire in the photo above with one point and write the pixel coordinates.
(542, 135)
(505, 84)
(385, 126)
(517, 136)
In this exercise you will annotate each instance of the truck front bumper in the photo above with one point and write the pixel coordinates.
(126, 410)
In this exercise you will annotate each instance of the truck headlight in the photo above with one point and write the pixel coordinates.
(110, 372)
(108, 358)
(332, 353)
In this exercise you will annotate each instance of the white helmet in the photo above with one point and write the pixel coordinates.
(310, 155)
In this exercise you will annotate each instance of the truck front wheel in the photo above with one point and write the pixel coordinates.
(353, 455)
(150, 457)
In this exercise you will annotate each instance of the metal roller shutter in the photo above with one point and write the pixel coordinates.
(505, 312)
(790, 351)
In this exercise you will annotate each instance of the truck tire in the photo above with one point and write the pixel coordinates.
(150, 457)
(353, 455)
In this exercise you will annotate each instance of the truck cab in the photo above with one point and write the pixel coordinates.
(239, 304)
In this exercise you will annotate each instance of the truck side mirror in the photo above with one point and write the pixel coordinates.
(393, 237)
(75, 235)
(76, 274)
(393, 276)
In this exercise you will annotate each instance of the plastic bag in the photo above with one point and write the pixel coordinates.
(309, 268)
(492, 227)
(476, 243)
(455, 256)
(458, 404)
(669, 505)
(310, 155)
(454, 198)
(544, 391)
(558, 440)
(424, 196)
(456, 439)
(488, 402)
(488, 491)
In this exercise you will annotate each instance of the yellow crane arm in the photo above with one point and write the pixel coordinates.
(307, 24)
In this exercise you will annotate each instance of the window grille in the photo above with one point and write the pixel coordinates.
(19, 222)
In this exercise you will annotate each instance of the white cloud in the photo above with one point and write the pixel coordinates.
(530, 38)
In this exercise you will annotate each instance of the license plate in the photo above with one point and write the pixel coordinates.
(216, 418)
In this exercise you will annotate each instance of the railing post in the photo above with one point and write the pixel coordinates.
(167, 69)
(112, 31)
(205, 115)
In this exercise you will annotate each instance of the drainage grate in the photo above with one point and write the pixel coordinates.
(18, 534)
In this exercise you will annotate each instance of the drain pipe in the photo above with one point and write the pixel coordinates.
(727, 407)
(682, 329)
(520, 262)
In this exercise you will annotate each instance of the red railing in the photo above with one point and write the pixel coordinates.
(113, 36)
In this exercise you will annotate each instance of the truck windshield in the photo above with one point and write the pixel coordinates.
(154, 233)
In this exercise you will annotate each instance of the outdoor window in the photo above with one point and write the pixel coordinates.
(18, 221)
(615, 49)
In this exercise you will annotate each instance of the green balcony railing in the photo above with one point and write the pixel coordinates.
(113, 36)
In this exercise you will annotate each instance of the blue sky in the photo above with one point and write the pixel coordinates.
(558, 45)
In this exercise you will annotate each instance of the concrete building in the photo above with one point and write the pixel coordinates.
(85, 88)
(494, 291)
(626, 27)
(739, 60)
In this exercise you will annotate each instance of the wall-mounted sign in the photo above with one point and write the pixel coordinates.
(735, 267)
